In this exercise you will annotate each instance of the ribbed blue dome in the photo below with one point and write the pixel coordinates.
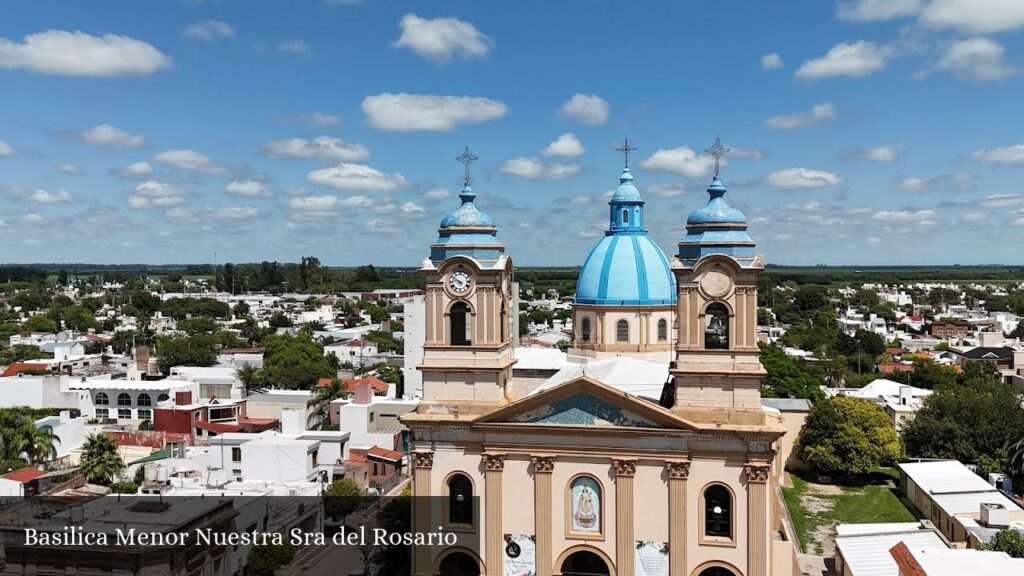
(626, 268)
(467, 214)
(717, 210)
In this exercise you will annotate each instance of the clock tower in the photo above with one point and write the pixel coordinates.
(467, 353)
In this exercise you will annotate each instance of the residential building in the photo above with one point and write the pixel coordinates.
(863, 549)
(917, 561)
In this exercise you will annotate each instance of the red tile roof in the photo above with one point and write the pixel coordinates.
(904, 558)
(25, 475)
(893, 367)
(218, 427)
(18, 367)
(379, 386)
(392, 455)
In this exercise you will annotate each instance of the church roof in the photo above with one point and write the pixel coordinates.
(626, 267)
(624, 373)
(467, 214)
(717, 210)
(717, 228)
(467, 231)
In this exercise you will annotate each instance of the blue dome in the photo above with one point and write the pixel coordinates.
(467, 214)
(717, 210)
(626, 268)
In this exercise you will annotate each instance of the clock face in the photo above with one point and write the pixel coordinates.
(459, 282)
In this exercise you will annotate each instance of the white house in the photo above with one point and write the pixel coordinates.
(358, 352)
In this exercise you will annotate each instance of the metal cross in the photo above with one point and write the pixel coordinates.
(718, 151)
(467, 158)
(626, 149)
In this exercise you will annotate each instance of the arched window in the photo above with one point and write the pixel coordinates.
(162, 398)
(462, 325)
(460, 499)
(662, 330)
(504, 322)
(585, 563)
(585, 330)
(459, 564)
(717, 511)
(144, 400)
(717, 571)
(625, 216)
(716, 327)
(622, 331)
(123, 399)
(102, 399)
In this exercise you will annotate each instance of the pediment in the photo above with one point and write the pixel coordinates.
(584, 403)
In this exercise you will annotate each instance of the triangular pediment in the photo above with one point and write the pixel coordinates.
(584, 403)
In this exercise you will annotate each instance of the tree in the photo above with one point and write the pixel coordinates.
(39, 444)
(848, 437)
(100, 461)
(978, 416)
(197, 325)
(265, 559)
(342, 498)
(185, 351)
(251, 378)
(240, 309)
(1008, 540)
(294, 362)
(279, 320)
(1015, 461)
(39, 323)
(928, 374)
(251, 330)
(319, 405)
(787, 378)
(810, 297)
(79, 318)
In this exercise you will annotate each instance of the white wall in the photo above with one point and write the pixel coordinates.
(415, 336)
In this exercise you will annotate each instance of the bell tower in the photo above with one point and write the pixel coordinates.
(467, 353)
(717, 372)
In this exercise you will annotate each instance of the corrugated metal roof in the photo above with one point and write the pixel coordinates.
(970, 502)
(787, 404)
(944, 477)
(868, 555)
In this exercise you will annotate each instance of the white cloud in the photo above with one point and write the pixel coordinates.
(818, 113)
(918, 216)
(44, 197)
(976, 59)
(250, 188)
(190, 160)
(956, 182)
(442, 39)
(412, 209)
(321, 148)
(534, 169)
(136, 170)
(325, 119)
(1005, 155)
(236, 213)
(586, 109)
(5, 149)
(69, 169)
(356, 177)
(293, 47)
(868, 10)
(664, 190)
(771, 61)
(975, 16)
(752, 153)
(60, 52)
(328, 206)
(209, 30)
(567, 146)
(884, 153)
(802, 178)
(975, 216)
(436, 194)
(681, 160)
(1002, 200)
(411, 112)
(852, 59)
(112, 137)
(153, 194)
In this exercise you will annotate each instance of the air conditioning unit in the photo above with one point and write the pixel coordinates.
(995, 515)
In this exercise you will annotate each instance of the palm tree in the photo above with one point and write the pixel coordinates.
(100, 461)
(320, 404)
(39, 444)
(1016, 461)
(251, 378)
(251, 330)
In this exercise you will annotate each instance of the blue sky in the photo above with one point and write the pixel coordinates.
(864, 132)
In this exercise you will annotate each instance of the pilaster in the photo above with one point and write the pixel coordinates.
(758, 518)
(678, 472)
(422, 463)
(494, 465)
(542, 469)
(625, 543)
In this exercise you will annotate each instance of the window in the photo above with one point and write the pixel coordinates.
(123, 399)
(662, 330)
(124, 413)
(716, 327)
(143, 400)
(145, 414)
(585, 332)
(316, 458)
(102, 399)
(625, 216)
(622, 331)
(460, 499)
(162, 398)
(717, 511)
(102, 413)
(504, 322)
(717, 571)
(236, 454)
(585, 508)
(461, 325)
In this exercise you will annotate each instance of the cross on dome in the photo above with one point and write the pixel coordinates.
(466, 159)
(718, 151)
(626, 149)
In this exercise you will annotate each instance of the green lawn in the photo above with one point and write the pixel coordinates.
(816, 509)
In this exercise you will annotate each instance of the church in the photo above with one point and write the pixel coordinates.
(592, 475)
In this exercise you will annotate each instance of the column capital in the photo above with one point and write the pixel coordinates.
(423, 459)
(678, 469)
(494, 462)
(543, 464)
(757, 472)
(624, 467)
